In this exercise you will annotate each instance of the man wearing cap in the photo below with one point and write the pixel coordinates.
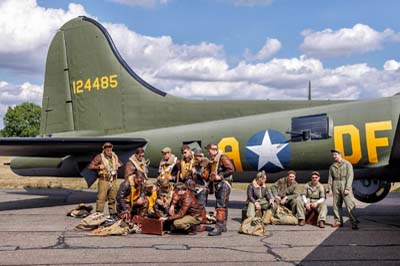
(131, 197)
(285, 193)
(258, 196)
(313, 199)
(165, 191)
(340, 183)
(186, 164)
(169, 165)
(221, 171)
(188, 216)
(106, 164)
(136, 163)
(198, 183)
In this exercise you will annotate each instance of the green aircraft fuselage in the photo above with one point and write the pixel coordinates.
(91, 95)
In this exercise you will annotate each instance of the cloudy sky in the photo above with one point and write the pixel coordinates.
(232, 49)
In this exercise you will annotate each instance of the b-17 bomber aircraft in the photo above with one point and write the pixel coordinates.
(92, 96)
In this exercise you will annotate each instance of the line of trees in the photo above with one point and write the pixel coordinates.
(22, 120)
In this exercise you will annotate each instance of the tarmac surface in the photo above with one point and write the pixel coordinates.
(34, 230)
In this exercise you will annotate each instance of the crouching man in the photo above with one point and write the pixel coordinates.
(258, 196)
(131, 198)
(188, 216)
(313, 199)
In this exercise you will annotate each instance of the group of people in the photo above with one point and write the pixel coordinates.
(180, 193)
(178, 196)
(284, 192)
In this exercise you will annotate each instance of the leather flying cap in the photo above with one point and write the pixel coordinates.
(336, 150)
(107, 145)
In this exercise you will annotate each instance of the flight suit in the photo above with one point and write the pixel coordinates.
(341, 178)
(313, 194)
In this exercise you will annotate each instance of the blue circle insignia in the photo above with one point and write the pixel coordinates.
(268, 150)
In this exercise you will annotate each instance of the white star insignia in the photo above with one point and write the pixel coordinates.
(268, 152)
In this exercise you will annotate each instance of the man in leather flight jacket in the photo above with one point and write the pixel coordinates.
(221, 171)
(189, 213)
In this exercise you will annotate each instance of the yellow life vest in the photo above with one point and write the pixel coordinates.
(166, 167)
(186, 168)
(152, 199)
(135, 193)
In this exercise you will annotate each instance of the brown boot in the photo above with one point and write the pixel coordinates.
(204, 219)
(302, 222)
(321, 224)
(219, 226)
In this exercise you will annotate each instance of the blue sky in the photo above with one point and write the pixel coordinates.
(250, 49)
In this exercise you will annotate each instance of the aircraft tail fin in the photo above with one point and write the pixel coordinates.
(88, 85)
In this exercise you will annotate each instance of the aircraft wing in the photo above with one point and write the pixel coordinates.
(60, 147)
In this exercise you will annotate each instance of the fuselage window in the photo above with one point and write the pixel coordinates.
(311, 127)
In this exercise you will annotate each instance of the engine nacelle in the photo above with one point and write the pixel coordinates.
(370, 190)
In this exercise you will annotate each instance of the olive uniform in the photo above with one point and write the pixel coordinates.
(341, 178)
(313, 194)
(281, 189)
(107, 184)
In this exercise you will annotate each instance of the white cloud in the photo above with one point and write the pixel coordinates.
(142, 3)
(346, 41)
(14, 94)
(271, 47)
(197, 70)
(252, 3)
(26, 32)
(391, 65)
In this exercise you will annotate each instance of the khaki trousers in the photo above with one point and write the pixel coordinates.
(106, 191)
(186, 222)
(322, 210)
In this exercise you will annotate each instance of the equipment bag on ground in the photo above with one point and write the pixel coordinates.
(253, 226)
(283, 215)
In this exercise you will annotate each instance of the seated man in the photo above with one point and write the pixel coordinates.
(189, 212)
(284, 192)
(165, 191)
(258, 196)
(131, 198)
(313, 198)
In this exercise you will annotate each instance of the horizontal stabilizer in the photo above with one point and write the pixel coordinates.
(60, 147)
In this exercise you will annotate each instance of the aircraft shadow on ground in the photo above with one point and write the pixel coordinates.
(375, 242)
(49, 198)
